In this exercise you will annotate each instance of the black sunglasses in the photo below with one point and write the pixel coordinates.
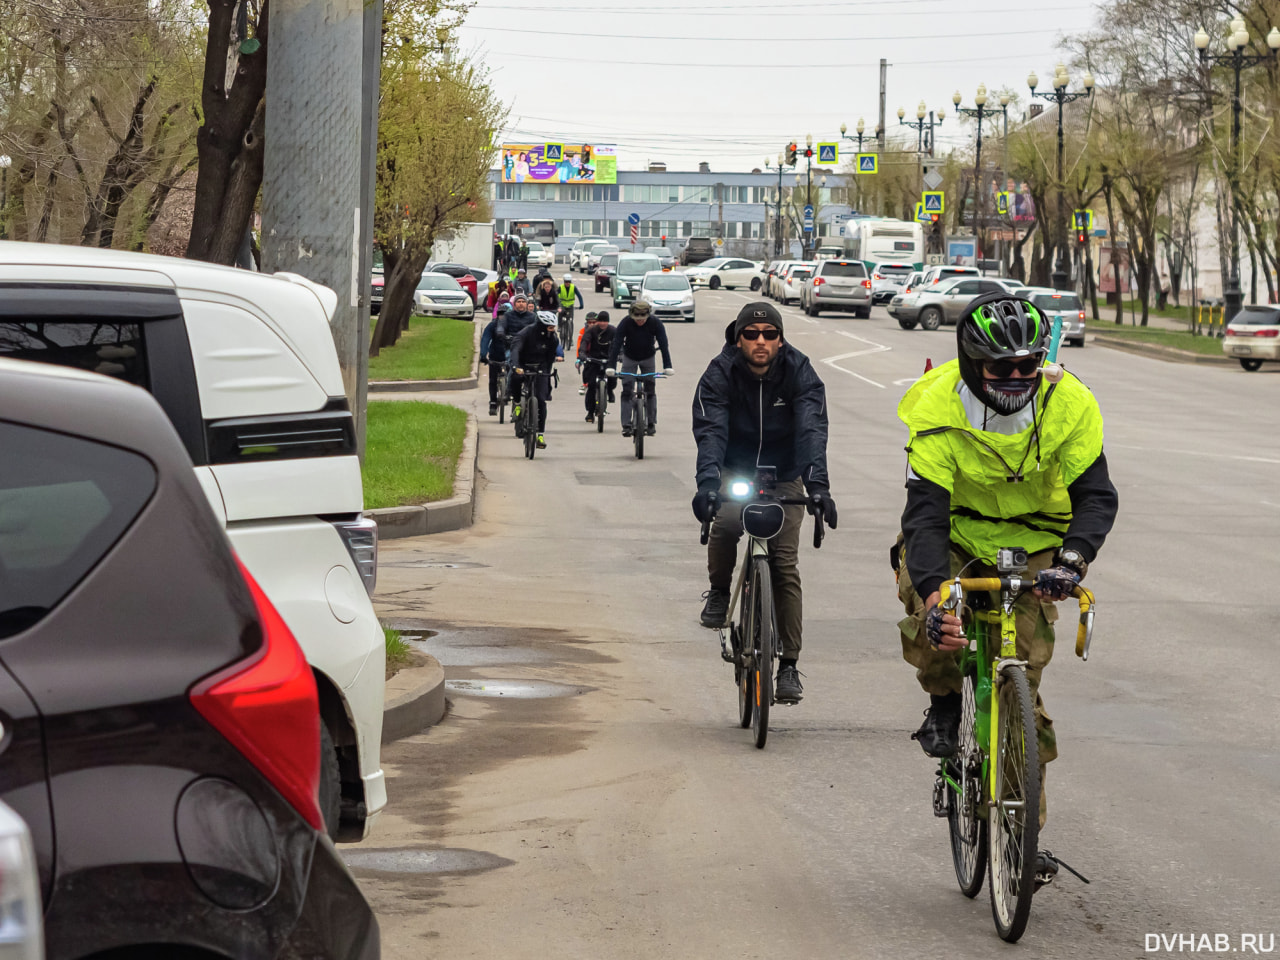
(1004, 368)
(769, 334)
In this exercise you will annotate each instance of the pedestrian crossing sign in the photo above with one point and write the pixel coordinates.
(552, 152)
(829, 153)
(1003, 200)
(933, 201)
(920, 214)
(1083, 220)
(868, 163)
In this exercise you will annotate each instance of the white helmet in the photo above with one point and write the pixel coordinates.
(568, 279)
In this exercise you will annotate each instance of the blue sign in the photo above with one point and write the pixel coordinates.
(868, 163)
(633, 218)
(933, 201)
(808, 218)
(828, 152)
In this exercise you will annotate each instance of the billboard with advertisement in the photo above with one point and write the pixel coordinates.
(559, 163)
(961, 253)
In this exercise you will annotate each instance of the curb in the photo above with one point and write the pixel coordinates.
(424, 386)
(439, 516)
(1157, 352)
(414, 701)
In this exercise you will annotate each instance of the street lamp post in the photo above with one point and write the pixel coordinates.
(979, 113)
(844, 135)
(777, 232)
(924, 140)
(1061, 269)
(807, 246)
(1237, 59)
(5, 163)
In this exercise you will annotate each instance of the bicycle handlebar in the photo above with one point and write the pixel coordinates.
(1084, 632)
(819, 528)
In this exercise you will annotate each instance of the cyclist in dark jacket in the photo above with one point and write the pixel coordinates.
(510, 325)
(535, 351)
(493, 352)
(761, 405)
(596, 342)
(638, 339)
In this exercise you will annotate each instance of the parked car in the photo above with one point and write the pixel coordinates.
(578, 252)
(540, 256)
(940, 272)
(668, 294)
(829, 252)
(631, 270)
(245, 366)
(377, 288)
(728, 272)
(160, 719)
(774, 276)
(837, 285)
(460, 273)
(439, 295)
(664, 255)
(22, 931)
(793, 281)
(595, 252)
(1056, 304)
(1253, 336)
(931, 306)
(770, 270)
(888, 279)
(697, 250)
(605, 271)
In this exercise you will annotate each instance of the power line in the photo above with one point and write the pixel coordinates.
(766, 10)
(638, 36)
(809, 65)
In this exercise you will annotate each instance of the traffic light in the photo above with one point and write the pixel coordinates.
(791, 154)
(808, 151)
(1081, 236)
(933, 218)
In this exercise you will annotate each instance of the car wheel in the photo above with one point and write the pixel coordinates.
(815, 310)
(862, 313)
(714, 283)
(931, 318)
(907, 324)
(1251, 364)
(330, 783)
(755, 284)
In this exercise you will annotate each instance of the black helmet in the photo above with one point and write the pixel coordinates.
(999, 327)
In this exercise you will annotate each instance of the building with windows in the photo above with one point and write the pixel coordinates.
(739, 208)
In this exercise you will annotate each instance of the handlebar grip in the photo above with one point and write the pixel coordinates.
(818, 530)
(706, 532)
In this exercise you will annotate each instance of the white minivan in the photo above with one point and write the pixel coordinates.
(246, 369)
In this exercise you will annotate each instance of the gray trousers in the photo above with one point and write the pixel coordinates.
(784, 561)
(627, 365)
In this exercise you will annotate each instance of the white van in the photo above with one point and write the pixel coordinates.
(246, 369)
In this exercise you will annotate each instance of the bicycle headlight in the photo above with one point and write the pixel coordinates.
(740, 488)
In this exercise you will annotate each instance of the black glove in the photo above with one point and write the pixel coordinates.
(705, 503)
(933, 626)
(1056, 583)
(820, 499)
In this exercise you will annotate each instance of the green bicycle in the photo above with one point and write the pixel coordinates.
(989, 791)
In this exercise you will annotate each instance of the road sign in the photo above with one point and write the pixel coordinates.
(808, 218)
(868, 163)
(719, 242)
(829, 153)
(933, 201)
(1083, 220)
(933, 179)
(921, 215)
(635, 232)
(552, 152)
(1003, 200)
(633, 218)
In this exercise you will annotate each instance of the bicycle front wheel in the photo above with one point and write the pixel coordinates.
(640, 423)
(1015, 807)
(530, 414)
(966, 813)
(764, 636)
(602, 403)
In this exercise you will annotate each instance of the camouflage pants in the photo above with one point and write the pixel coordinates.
(939, 672)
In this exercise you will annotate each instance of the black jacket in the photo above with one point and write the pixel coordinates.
(639, 342)
(534, 348)
(742, 422)
(511, 323)
(595, 342)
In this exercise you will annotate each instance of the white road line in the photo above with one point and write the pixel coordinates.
(1195, 453)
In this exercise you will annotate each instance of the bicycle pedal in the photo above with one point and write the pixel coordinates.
(940, 798)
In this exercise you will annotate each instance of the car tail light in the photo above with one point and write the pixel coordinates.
(867, 284)
(268, 709)
(1273, 332)
(360, 537)
(876, 276)
(1233, 333)
(818, 281)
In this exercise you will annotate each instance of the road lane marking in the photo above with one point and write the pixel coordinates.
(1196, 453)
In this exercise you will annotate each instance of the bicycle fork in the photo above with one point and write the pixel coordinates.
(730, 651)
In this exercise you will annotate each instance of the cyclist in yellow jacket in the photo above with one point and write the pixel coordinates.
(998, 456)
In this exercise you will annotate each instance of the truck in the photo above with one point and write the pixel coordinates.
(470, 244)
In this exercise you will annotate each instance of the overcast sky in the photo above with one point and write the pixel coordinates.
(682, 81)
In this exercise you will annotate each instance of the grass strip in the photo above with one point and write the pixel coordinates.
(411, 452)
(1178, 339)
(433, 348)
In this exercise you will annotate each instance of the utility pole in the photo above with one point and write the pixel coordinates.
(884, 76)
(314, 221)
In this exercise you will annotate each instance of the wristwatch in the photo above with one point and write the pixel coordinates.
(1067, 557)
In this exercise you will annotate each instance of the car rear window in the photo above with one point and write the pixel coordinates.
(1258, 316)
(803, 274)
(63, 502)
(893, 270)
(114, 349)
(637, 266)
(1057, 303)
(843, 268)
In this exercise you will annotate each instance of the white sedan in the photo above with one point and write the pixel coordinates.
(727, 272)
(439, 295)
(668, 294)
(540, 256)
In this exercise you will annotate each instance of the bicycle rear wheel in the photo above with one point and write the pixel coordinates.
(1015, 809)
(639, 422)
(966, 813)
(764, 635)
(530, 415)
(602, 403)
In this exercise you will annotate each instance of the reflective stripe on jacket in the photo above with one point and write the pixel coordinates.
(1006, 490)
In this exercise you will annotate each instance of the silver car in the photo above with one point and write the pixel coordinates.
(888, 280)
(1060, 303)
(945, 301)
(837, 285)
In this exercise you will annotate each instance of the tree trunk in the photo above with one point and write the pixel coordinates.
(1091, 285)
(402, 270)
(226, 192)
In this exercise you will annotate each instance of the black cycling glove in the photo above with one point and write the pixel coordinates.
(1056, 583)
(933, 626)
(705, 503)
(820, 499)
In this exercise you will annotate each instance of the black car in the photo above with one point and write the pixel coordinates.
(159, 719)
(696, 250)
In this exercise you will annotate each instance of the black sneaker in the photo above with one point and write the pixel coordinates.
(626, 431)
(940, 733)
(716, 609)
(540, 442)
(493, 409)
(650, 430)
(612, 398)
(591, 418)
(787, 688)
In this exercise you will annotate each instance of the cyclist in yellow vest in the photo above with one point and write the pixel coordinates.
(998, 456)
(569, 296)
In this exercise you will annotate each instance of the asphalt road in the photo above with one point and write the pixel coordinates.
(635, 819)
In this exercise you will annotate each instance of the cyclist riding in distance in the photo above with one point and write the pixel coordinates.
(760, 404)
(595, 345)
(523, 284)
(544, 295)
(535, 351)
(569, 295)
(493, 352)
(999, 456)
(638, 339)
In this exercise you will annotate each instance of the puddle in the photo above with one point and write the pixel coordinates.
(445, 860)
(514, 689)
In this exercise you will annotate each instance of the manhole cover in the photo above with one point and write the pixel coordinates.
(515, 689)
(423, 861)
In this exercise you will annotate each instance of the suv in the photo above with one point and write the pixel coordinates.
(605, 270)
(696, 250)
(631, 270)
(245, 367)
(837, 285)
(1063, 305)
(888, 280)
(943, 272)
(946, 301)
(577, 256)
